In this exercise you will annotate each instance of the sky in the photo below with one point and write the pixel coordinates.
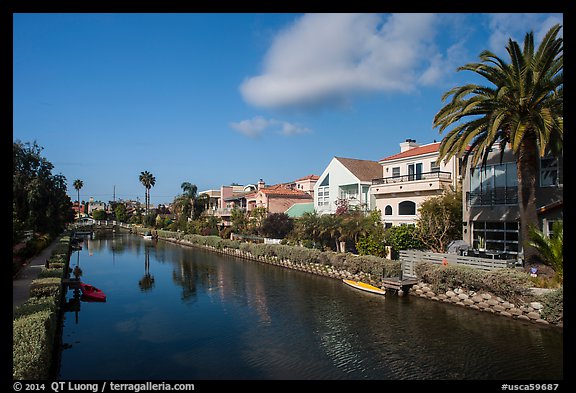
(216, 99)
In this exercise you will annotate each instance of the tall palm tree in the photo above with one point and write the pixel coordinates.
(523, 108)
(148, 181)
(78, 184)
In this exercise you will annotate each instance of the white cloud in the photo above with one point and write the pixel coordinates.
(505, 26)
(330, 57)
(256, 126)
(253, 127)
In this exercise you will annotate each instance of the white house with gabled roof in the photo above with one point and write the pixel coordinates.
(347, 179)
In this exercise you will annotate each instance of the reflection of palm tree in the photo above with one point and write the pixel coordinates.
(147, 281)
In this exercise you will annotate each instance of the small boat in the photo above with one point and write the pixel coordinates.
(365, 287)
(148, 236)
(91, 293)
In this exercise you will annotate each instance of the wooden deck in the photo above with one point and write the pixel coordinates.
(399, 284)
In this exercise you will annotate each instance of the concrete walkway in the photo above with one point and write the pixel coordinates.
(28, 273)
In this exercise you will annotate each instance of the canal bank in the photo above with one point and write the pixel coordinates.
(173, 311)
(530, 307)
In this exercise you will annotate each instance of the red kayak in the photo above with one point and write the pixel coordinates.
(90, 292)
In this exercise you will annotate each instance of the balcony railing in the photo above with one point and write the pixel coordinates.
(497, 196)
(413, 177)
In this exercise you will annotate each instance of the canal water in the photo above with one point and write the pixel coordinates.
(180, 313)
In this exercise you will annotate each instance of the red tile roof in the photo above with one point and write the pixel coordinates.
(309, 177)
(415, 151)
(280, 190)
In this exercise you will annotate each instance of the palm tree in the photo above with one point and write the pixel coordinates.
(190, 192)
(148, 181)
(78, 184)
(551, 248)
(523, 109)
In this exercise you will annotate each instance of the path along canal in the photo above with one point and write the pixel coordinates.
(181, 313)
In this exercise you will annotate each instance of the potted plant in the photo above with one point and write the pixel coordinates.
(481, 243)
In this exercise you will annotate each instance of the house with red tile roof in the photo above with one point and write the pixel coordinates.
(410, 177)
(346, 179)
(277, 198)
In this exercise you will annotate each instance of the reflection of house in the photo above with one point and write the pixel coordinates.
(409, 178)
(345, 179)
(490, 201)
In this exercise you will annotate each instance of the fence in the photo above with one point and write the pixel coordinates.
(409, 258)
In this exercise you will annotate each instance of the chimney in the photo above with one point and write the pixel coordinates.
(408, 144)
(261, 184)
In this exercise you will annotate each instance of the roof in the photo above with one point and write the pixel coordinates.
(364, 170)
(280, 190)
(309, 177)
(298, 209)
(550, 206)
(415, 151)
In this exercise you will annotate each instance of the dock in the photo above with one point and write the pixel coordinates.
(401, 285)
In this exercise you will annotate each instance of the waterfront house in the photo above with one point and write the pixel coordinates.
(410, 177)
(277, 198)
(346, 179)
(491, 215)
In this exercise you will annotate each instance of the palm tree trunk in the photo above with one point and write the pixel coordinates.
(528, 170)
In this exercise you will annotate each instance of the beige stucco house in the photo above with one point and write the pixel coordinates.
(410, 177)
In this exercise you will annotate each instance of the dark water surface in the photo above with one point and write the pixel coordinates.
(179, 313)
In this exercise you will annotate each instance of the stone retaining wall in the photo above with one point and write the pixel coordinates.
(483, 302)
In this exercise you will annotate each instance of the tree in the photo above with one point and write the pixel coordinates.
(440, 220)
(99, 214)
(40, 201)
(148, 181)
(78, 184)
(190, 193)
(523, 108)
(120, 212)
(550, 248)
(277, 225)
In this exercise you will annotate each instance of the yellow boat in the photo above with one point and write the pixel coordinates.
(365, 287)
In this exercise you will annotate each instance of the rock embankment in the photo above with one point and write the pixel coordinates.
(486, 302)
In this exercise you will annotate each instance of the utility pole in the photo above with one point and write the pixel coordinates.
(114, 194)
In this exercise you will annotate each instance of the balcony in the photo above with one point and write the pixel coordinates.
(418, 182)
(496, 196)
(417, 176)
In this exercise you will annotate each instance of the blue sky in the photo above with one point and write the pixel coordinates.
(213, 99)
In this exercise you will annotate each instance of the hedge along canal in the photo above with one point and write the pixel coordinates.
(186, 313)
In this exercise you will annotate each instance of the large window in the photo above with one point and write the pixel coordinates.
(323, 196)
(494, 185)
(500, 236)
(415, 171)
(550, 173)
(406, 208)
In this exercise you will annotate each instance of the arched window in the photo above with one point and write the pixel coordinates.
(388, 210)
(407, 208)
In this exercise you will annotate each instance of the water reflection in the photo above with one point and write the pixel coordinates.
(201, 315)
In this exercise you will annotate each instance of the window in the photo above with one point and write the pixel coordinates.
(434, 167)
(407, 208)
(494, 185)
(396, 171)
(549, 174)
(323, 196)
(388, 210)
(499, 236)
(415, 171)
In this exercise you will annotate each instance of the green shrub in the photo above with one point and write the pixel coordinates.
(34, 305)
(506, 283)
(32, 343)
(45, 287)
(553, 303)
(51, 272)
